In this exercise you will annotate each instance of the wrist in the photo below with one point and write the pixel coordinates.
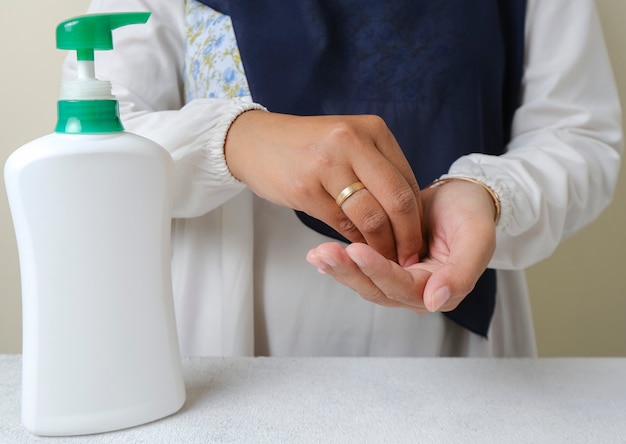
(492, 193)
(237, 139)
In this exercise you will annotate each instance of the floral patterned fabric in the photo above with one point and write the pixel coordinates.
(213, 66)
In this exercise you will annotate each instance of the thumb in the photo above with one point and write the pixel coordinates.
(448, 286)
(454, 279)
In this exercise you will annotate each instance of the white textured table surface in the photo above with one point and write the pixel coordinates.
(373, 400)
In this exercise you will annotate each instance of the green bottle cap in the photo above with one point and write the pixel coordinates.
(88, 117)
(86, 105)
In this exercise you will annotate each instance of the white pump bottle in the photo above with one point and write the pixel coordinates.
(91, 210)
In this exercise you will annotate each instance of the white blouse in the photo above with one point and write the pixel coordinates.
(241, 282)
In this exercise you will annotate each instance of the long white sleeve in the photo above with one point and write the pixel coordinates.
(562, 165)
(146, 69)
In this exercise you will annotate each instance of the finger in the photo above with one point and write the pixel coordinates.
(391, 181)
(408, 240)
(405, 286)
(359, 219)
(372, 222)
(326, 209)
(359, 216)
(331, 258)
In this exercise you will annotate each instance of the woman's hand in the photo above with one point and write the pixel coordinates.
(460, 235)
(305, 162)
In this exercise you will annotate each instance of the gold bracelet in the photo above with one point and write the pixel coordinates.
(494, 196)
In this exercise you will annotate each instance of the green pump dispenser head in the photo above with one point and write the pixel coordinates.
(86, 105)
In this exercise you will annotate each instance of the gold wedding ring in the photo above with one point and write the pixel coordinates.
(348, 191)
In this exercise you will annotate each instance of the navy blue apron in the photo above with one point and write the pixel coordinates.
(445, 76)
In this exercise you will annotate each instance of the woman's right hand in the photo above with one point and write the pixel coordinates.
(304, 162)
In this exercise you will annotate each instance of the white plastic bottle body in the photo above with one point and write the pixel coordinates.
(92, 222)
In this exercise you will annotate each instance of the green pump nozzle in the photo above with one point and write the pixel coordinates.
(86, 104)
(94, 32)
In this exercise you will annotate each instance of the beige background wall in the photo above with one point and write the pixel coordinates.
(578, 295)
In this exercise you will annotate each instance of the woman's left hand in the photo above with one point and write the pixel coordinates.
(459, 230)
